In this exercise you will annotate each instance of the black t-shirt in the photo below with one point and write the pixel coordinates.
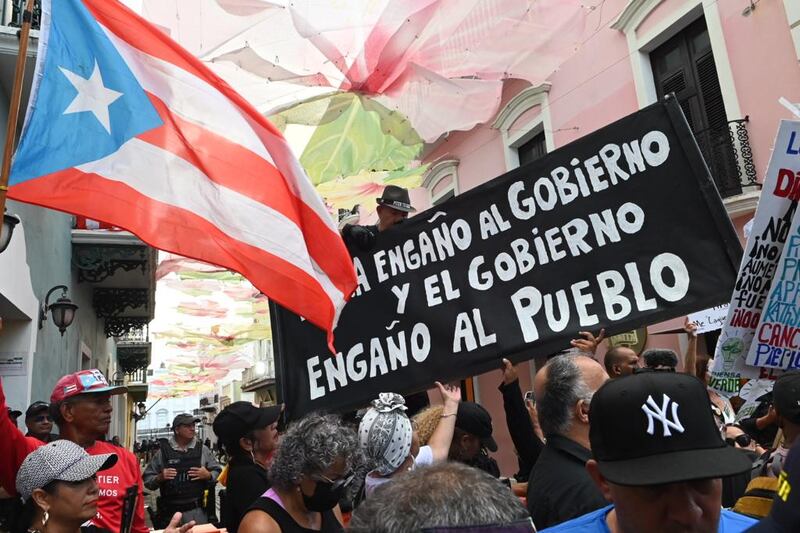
(330, 524)
(247, 481)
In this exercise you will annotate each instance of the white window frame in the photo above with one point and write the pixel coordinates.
(440, 171)
(793, 16)
(516, 136)
(640, 46)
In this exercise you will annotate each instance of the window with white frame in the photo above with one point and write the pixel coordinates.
(441, 181)
(525, 125)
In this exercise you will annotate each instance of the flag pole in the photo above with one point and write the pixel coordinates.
(13, 108)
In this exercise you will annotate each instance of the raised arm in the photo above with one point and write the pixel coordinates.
(14, 447)
(690, 357)
(443, 434)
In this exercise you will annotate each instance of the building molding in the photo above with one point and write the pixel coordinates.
(519, 104)
(640, 46)
(439, 171)
(742, 204)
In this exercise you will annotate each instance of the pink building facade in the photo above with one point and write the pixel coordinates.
(728, 64)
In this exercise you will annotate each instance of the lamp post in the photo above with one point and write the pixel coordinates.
(63, 310)
(9, 221)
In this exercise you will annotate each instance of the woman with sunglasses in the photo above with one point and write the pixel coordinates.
(310, 472)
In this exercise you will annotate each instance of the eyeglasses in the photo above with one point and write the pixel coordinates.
(42, 418)
(342, 482)
(742, 440)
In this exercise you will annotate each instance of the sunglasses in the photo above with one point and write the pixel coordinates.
(342, 482)
(742, 440)
(42, 418)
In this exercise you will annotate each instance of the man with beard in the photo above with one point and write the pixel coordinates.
(394, 205)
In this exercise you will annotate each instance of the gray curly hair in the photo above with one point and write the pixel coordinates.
(310, 446)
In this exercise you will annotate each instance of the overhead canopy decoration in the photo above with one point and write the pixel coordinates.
(207, 322)
(358, 87)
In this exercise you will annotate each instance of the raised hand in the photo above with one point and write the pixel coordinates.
(451, 394)
(509, 372)
(588, 342)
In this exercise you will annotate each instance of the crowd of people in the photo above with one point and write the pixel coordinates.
(619, 444)
(642, 450)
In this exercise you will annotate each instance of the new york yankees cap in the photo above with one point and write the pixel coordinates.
(657, 427)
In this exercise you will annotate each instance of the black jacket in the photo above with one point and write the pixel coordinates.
(520, 428)
(247, 481)
(559, 488)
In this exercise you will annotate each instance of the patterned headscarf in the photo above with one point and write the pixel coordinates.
(385, 433)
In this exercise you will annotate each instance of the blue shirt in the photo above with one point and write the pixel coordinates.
(595, 522)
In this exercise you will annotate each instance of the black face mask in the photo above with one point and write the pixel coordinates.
(325, 497)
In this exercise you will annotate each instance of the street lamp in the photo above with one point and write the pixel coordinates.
(9, 221)
(140, 413)
(63, 310)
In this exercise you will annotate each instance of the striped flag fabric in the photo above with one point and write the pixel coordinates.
(125, 127)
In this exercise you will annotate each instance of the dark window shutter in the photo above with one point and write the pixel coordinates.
(533, 149)
(711, 92)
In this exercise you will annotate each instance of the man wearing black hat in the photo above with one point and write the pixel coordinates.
(39, 422)
(472, 438)
(394, 205)
(786, 406)
(658, 458)
(249, 435)
(182, 472)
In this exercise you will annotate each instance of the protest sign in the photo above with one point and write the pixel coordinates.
(777, 340)
(770, 230)
(709, 319)
(619, 229)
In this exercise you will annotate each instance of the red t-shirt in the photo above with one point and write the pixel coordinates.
(15, 446)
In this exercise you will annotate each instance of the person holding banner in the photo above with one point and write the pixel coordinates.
(394, 205)
(385, 435)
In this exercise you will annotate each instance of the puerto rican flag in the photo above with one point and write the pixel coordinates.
(126, 127)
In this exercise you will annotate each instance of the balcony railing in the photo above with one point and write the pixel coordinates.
(137, 376)
(13, 16)
(729, 156)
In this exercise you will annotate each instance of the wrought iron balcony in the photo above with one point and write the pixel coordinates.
(729, 156)
(14, 17)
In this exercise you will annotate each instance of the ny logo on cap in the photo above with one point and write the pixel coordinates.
(654, 412)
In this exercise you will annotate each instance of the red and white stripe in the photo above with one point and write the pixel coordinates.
(217, 182)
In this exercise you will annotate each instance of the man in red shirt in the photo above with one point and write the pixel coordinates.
(81, 407)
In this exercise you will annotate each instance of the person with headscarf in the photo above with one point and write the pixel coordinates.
(386, 437)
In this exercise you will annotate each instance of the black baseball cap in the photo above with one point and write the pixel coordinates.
(239, 418)
(35, 408)
(184, 419)
(475, 420)
(656, 428)
(785, 513)
(786, 396)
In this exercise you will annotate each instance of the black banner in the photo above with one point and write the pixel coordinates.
(619, 229)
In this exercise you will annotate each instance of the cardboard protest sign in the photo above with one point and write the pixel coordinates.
(709, 319)
(770, 230)
(621, 228)
(777, 340)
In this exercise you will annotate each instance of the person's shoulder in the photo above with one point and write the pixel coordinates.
(594, 521)
(731, 522)
(258, 520)
(123, 454)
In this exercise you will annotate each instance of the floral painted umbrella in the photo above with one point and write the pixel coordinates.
(358, 87)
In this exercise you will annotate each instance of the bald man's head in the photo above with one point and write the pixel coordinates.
(620, 361)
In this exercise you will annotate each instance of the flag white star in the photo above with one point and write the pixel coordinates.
(92, 96)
